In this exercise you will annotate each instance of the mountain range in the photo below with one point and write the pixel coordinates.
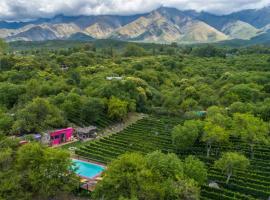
(163, 25)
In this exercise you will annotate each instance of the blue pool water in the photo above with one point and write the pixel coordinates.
(86, 169)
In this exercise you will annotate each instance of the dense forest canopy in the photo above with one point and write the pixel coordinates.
(49, 88)
(219, 94)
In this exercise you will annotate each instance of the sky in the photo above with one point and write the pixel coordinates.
(23, 10)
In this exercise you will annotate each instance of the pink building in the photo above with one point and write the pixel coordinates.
(61, 136)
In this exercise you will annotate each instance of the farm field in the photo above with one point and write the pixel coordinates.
(147, 135)
(153, 133)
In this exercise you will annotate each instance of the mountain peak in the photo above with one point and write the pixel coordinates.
(163, 25)
(169, 11)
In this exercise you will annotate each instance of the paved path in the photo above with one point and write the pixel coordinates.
(113, 129)
(116, 128)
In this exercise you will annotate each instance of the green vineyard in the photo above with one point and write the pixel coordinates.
(153, 133)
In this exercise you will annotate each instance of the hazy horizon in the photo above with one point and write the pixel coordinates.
(23, 10)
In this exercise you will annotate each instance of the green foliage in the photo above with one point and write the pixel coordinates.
(195, 169)
(251, 130)
(38, 115)
(71, 81)
(246, 184)
(208, 51)
(263, 109)
(117, 109)
(246, 93)
(189, 104)
(46, 170)
(231, 161)
(156, 176)
(134, 50)
(239, 107)
(91, 110)
(166, 79)
(218, 115)
(166, 166)
(214, 134)
(33, 171)
(6, 122)
(184, 136)
(3, 46)
(9, 94)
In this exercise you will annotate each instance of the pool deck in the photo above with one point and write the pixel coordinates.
(90, 184)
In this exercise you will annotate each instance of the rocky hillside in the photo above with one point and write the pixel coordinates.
(164, 25)
(168, 25)
(240, 30)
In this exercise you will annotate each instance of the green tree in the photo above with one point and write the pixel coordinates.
(195, 169)
(184, 136)
(9, 94)
(239, 107)
(208, 51)
(3, 46)
(189, 105)
(72, 106)
(33, 171)
(246, 92)
(3, 49)
(151, 177)
(10, 179)
(214, 134)
(6, 122)
(117, 109)
(167, 166)
(231, 161)
(134, 50)
(46, 170)
(251, 130)
(92, 110)
(218, 115)
(123, 178)
(263, 109)
(37, 116)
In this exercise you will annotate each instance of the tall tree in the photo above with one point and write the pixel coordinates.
(117, 109)
(6, 121)
(33, 171)
(134, 50)
(184, 136)
(3, 48)
(151, 177)
(214, 134)
(195, 169)
(251, 130)
(38, 115)
(231, 161)
(46, 170)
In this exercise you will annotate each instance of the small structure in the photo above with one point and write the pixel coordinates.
(24, 139)
(64, 67)
(86, 132)
(23, 142)
(37, 137)
(110, 78)
(46, 138)
(201, 113)
(60, 136)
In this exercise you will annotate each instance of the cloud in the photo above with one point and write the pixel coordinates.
(30, 9)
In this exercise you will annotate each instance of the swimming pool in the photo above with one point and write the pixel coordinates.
(86, 169)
